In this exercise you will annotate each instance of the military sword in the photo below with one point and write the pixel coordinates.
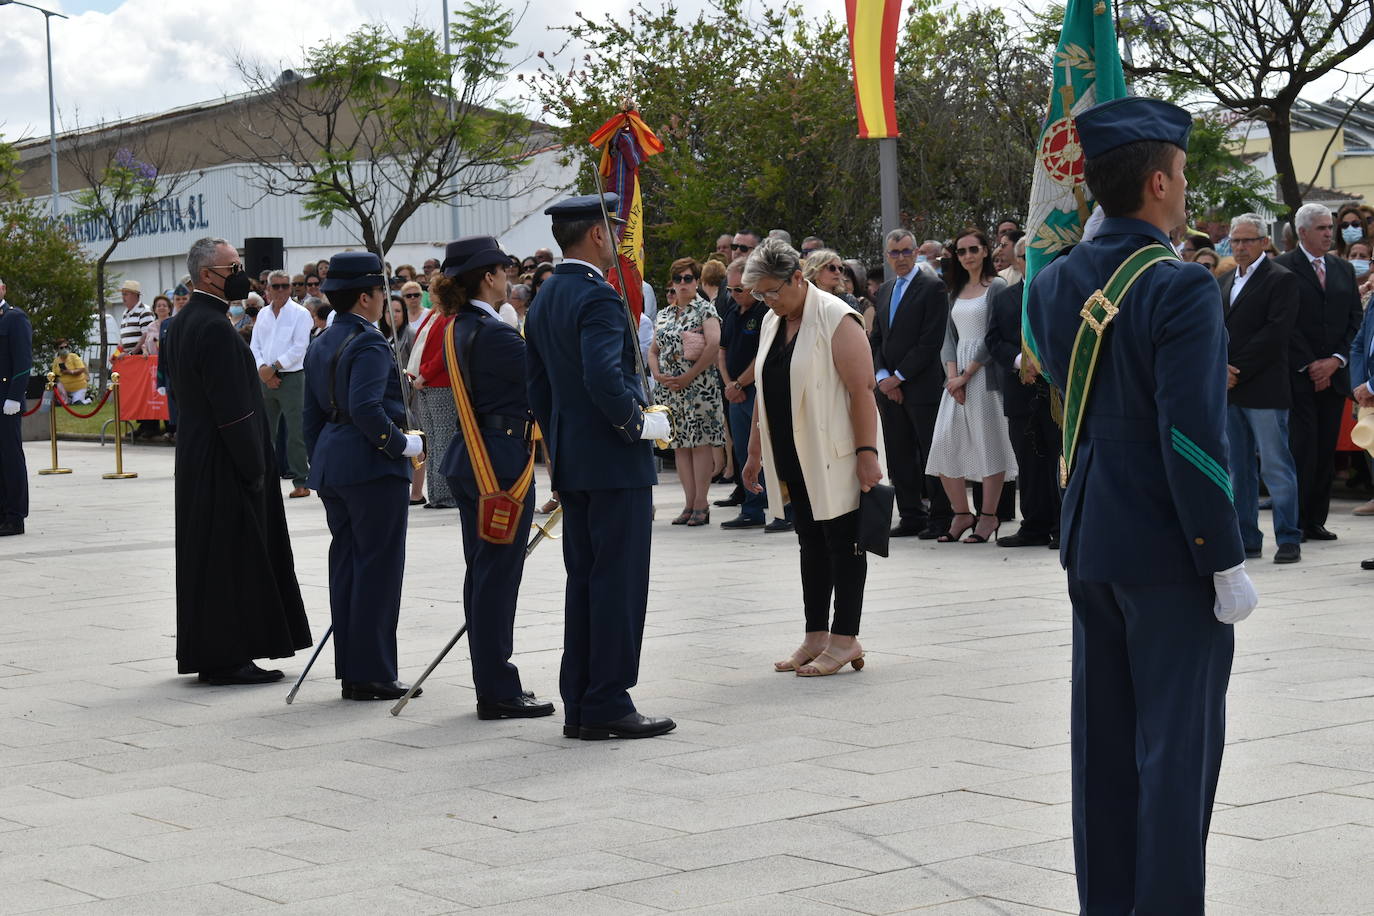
(301, 680)
(412, 427)
(542, 532)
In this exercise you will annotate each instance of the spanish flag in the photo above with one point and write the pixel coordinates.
(873, 52)
(626, 141)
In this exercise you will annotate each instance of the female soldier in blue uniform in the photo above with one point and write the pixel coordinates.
(358, 451)
(491, 368)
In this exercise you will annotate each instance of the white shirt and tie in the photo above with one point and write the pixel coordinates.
(898, 291)
(1319, 268)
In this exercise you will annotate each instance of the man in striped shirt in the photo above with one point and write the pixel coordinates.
(137, 317)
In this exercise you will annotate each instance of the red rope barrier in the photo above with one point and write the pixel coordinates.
(84, 416)
(33, 410)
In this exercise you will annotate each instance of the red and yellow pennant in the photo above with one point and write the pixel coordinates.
(873, 52)
(626, 141)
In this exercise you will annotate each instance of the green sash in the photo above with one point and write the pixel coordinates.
(1098, 312)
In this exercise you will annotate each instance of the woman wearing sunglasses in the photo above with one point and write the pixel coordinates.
(970, 440)
(682, 360)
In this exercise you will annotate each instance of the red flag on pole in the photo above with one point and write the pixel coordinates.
(625, 141)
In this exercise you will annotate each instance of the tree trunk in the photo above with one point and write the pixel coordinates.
(102, 371)
(1281, 146)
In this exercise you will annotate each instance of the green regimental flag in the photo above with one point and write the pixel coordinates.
(1087, 70)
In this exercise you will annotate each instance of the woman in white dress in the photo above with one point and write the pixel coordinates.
(970, 440)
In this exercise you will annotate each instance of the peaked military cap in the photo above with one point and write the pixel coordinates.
(353, 270)
(1102, 128)
(576, 209)
(472, 252)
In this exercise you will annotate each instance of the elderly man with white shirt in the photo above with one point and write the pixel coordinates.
(281, 334)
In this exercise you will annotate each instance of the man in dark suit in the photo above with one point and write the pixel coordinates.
(588, 395)
(1156, 569)
(1260, 301)
(16, 362)
(1035, 437)
(1328, 318)
(908, 331)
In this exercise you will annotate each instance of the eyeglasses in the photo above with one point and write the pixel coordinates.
(297, 282)
(735, 289)
(413, 296)
(736, 246)
(972, 249)
(312, 282)
(234, 268)
(281, 285)
(835, 267)
(769, 295)
(900, 252)
(1245, 240)
(685, 278)
(1346, 224)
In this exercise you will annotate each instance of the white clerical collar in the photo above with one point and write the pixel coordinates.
(599, 271)
(485, 307)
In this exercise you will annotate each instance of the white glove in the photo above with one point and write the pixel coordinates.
(12, 408)
(1236, 596)
(162, 392)
(414, 446)
(656, 426)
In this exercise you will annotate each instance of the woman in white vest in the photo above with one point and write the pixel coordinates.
(815, 437)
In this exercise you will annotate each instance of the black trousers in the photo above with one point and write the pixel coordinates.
(367, 559)
(830, 566)
(491, 587)
(1150, 669)
(14, 472)
(606, 552)
(1036, 442)
(908, 428)
(1314, 424)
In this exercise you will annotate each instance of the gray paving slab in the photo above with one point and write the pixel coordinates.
(936, 780)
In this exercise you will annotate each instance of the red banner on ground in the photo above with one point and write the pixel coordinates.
(138, 397)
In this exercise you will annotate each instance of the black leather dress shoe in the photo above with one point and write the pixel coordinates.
(727, 502)
(1054, 543)
(931, 532)
(1288, 553)
(525, 706)
(572, 731)
(1252, 552)
(247, 673)
(776, 525)
(742, 521)
(1367, 564)
(906, 531)
(376, 690)
(13, 527)
(1023, 540)
(1319, 533)
(634, 725)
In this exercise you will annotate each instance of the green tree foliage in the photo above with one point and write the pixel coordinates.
(9, 171)
(758, 117)
(1220, 183)
(46, 273)
(386, 122)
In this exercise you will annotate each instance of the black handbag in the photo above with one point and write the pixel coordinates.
(875, 519)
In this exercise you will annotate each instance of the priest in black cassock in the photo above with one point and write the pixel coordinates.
(237, 595)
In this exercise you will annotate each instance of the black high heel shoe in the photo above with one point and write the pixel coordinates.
(951, 536)
(977, 538)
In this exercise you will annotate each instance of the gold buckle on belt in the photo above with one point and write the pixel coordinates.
(1108, 307)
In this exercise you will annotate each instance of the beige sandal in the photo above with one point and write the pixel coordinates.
(820, 669)
(800, 657)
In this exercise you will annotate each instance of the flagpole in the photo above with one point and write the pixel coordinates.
(624, 292)
(887, 183)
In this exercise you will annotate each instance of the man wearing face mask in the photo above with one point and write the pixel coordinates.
(227, 616)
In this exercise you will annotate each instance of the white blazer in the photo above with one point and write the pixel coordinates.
(821, 425)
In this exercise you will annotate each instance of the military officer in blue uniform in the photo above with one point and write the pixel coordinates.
(1148, 532)
(588, 396)
(16, 362)
(491, 360)
(354, 431)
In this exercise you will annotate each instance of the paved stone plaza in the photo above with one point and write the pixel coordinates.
(934, 780)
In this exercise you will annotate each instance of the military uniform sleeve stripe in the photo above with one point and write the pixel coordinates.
(1202, 461)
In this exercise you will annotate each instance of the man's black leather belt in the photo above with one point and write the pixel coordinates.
(511, 426)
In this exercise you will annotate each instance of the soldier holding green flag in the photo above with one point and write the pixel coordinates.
(1148, 534)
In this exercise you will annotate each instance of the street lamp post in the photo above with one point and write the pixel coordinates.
(52, 100)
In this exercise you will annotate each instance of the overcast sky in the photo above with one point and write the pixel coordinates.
(119, 58)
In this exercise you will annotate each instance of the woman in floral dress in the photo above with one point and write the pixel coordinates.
(682, 359)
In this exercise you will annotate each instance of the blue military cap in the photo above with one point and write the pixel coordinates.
(576, 209)
(1102, 128)
(353, 270)
(181, 290)
(472, 252)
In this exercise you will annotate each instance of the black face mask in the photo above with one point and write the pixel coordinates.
(237, 286)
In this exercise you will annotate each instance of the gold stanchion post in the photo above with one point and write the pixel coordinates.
(52, 427)
(119, 472)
